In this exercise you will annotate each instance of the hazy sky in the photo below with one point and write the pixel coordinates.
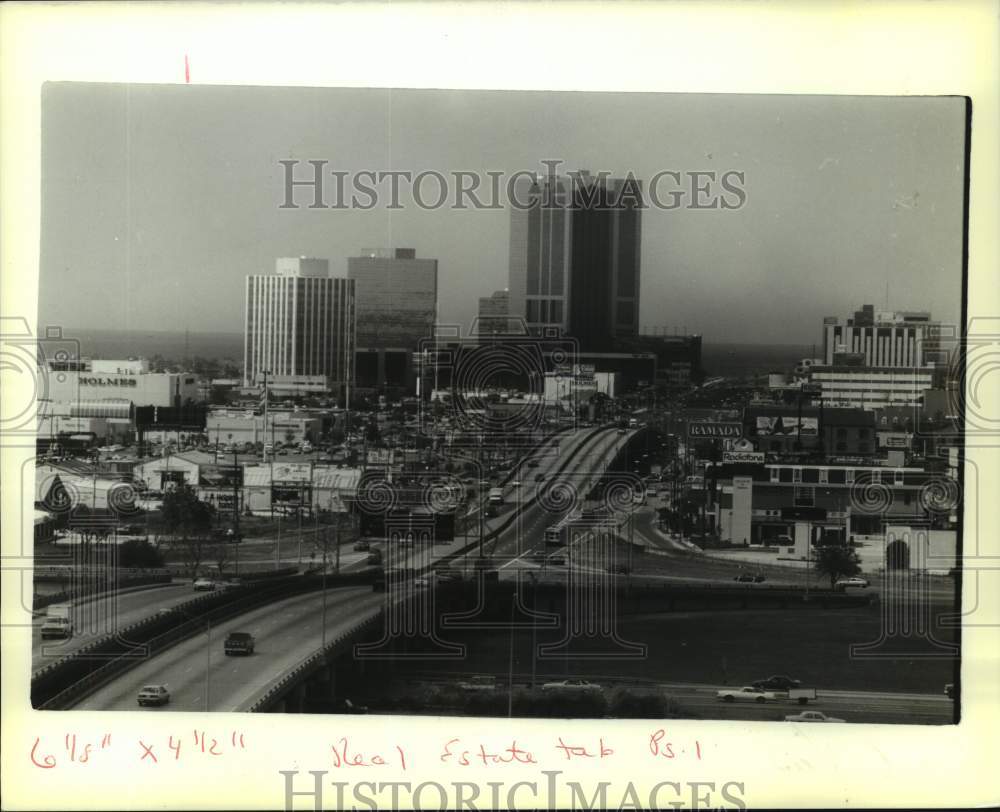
(158, 200)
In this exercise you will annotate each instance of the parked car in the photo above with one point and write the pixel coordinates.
(571, 685)
(811, 716)
(855, 581)
(777, 682)
(746, 694)
(479, 683)
(346, 706)
(204, 585)
(153, 695)
(239, 643)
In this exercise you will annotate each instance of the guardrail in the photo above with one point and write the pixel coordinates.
(308, 666)
(49, 690)
(67, 595)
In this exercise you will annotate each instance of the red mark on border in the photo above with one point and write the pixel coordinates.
(187, 70)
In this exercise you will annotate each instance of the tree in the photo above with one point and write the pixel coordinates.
(188, 520)
(139, 553)
(838, 562)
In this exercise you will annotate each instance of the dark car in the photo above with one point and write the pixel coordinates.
(744, 578)
(619, 569)
(362, 546)
(239, 643)
(778, 682)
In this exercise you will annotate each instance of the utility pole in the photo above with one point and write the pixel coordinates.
(337, 540)
(236, 509)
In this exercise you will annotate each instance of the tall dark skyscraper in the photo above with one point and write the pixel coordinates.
(574, 257)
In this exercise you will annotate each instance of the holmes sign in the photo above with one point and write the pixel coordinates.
(715, 430)
(88, 381)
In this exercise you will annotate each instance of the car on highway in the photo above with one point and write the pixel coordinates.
(239, 643)
(153, 695)
(362, 546)
(811, 716)
(59, 627)
(532, 463)
(747, 693)
(571, 685)
(749, 578)
(855, 581)
(777, 682)
(515, 483)
(346, 706)
(204, 585)
(479, 683)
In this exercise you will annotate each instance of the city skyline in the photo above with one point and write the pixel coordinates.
(847, 198)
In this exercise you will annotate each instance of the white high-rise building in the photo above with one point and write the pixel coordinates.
(299, 322)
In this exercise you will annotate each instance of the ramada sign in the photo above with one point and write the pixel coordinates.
(715, 429)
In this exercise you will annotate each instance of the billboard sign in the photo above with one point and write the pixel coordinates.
(715, 430)
(756, 457)
(292, 472)
(781, 426)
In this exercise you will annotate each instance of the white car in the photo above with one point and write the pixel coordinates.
(844, 583)
(811, 716)
(745, 694)
(204, 585)
(153, 695)
(571, 685)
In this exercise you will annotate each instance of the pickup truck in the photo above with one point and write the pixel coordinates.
(239, 643)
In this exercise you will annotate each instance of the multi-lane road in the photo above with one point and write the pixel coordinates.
(103, 615)
(287, 632)
(201, 677)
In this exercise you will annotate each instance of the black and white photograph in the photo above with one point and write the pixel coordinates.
(519, 404)
(448, 405)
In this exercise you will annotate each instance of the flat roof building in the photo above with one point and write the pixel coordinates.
(574, 257)
(396, 309)
(299, 322)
